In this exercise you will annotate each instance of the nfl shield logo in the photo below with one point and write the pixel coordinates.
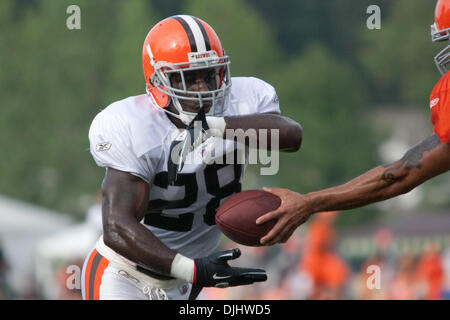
(183, 288)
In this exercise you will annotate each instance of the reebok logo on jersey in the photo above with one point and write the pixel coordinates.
(434, 102)
(275, 99)
(103, 146)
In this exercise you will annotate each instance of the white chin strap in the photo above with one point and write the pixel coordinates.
(217, 125)
(185, 118)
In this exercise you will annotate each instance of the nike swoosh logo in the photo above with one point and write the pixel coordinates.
(216, 277)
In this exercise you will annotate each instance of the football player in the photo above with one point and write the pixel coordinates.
(159, 234)
(427, 159)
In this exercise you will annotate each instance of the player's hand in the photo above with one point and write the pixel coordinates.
(293, 211)
(214, 271)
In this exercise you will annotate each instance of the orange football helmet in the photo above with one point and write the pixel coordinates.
(177, 45)
(440, 31)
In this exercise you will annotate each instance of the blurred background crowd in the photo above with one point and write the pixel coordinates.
(315, 265)
(361, 96)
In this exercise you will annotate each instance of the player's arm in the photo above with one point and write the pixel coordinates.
(125, 201)
(269, 130)
(424, 161)
(290, 133)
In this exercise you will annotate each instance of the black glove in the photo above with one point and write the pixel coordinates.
(214, 271)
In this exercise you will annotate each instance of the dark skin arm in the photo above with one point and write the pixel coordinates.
(422, 162)
(125, 201)
(290, 132)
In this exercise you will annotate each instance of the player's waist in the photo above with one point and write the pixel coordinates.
(146, 276)
(198, 242)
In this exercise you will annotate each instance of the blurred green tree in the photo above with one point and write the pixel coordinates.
(320, 57)
(250, 45)
(334, 23)
(54, 82)
(125, 78)
(398, 59)
(326, 97)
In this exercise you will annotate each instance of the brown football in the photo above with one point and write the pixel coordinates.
(236, 217)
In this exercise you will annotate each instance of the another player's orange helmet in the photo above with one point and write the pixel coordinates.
(177, 45)
(440, 31)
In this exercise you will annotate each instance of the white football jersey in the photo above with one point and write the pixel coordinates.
(134, 135)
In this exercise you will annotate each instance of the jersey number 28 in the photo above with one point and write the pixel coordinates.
(183, 222)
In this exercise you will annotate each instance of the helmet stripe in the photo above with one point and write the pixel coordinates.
(196, 33)
(189, 33)
(205, 35)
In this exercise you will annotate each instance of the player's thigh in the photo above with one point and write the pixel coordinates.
(105, 281)
(101, 280)
(115, 286)
(119, 284)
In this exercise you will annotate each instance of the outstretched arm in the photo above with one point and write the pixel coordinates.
(424, 161)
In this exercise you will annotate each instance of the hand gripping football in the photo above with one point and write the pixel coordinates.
(236, 217)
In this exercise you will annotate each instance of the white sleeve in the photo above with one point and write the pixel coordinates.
(266, 97)
(111, 146)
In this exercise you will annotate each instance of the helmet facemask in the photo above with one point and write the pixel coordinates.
(443, 57)
(215, 98)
